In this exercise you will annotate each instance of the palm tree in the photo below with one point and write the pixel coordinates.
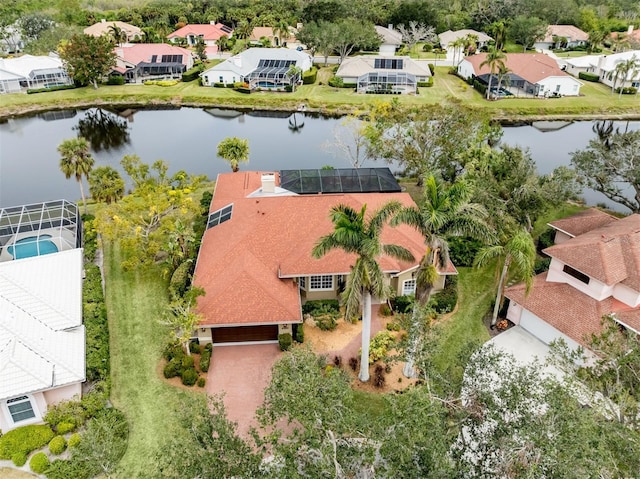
(625, 70)
(356, 234)
(118, 34)
(444, 211)
(235, 151)
(106, 184)
(458, 44)
(516, 256)
(76, 161)
(596, 37)
(503, 78)
(495, 60)
(281, 32)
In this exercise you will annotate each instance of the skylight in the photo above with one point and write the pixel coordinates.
(220, 216)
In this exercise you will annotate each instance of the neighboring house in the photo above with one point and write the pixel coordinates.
(209, 33)
(391, 40)
(448, 38)
(143, 61)
(631, 36)
(562, 36)
(28, 71)
(260, 68)
(106, 28)
(594, 271)
(255, 263)
(528, 75)
(605, 67)
(42, 338)
(383, 74)
(276, 39)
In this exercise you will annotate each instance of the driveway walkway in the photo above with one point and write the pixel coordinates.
(241, 373)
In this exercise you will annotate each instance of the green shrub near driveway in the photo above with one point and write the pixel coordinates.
(189, 376)
(285, 341)
(24, 439)
(57, 445)
(39, 463)
(205, 359)
(201, 382)
(586, 76)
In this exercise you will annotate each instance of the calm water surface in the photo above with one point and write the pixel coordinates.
(187, 139)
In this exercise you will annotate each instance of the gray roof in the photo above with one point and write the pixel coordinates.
(389, 36)
(361, 65)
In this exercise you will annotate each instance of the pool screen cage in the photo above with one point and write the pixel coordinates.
(60, 219)
(387, 82)
(273, 74)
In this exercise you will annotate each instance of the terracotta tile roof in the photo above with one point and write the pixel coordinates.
(208, 31)
(570, 32)
(530, 67)
(610, 254)
(568, 310)
(583, 222)
(246, 264)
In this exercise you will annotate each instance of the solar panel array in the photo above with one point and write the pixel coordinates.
(342, 180)
(225, 29)
(171, 59)
(219, 216)
(276, 63)
(388, 64)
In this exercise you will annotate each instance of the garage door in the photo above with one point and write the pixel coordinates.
(245, 333)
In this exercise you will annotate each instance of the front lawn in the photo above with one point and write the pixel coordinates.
(135, 301)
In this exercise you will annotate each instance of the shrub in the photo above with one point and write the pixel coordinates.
(74, 440)
(57, 445)
(310, 307)
(463, 250)
(380, 345)
(541, 265)
(172, 369)
(201, 382)
(336, 82)
(161, 82)
(180, 280)
(299, 332)
(187, 362)
(205, 359)
(173, 350)
(432, 69)
(427, 47)
(288, 88)
(53, 88)
(545, 239)
(378, 376)
(444, 301)
(219, 85)
(191, 75)
(19, 459)
(67, 412)
(353, 363)
(627, 90)
(285, 341)
(94, 315)
(385, 310)
(24, 439)
(393, 326)
(194, 347)
(310, 76)
(402, 304)
(327, 321)
(586, 76)
(189, 376)
(39, 463)
(65, 427)
(115, 80)
(243, 90)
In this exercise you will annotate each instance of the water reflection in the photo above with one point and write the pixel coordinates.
(104, 130)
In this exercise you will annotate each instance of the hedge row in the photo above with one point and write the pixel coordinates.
(630, 90)
(586, 76)
(53, 88)
(94, 313)
(115, 80)
(21, 441)
(310, 76)
(191, 75)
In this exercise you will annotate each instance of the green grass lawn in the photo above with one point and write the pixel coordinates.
(596, 99)
(135, 300)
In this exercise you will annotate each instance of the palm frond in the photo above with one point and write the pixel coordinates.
(398, 252)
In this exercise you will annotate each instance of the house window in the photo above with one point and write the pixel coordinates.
(221, 79)
(408, 286)
(321, 283)
(20, 409)
(302, 282)
(576, 274)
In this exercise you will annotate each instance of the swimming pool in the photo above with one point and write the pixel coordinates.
(32, 246)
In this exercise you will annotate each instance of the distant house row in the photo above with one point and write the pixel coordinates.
(28, 71)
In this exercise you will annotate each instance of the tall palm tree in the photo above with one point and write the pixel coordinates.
(281, 32)
(118, 34)
(495, 61)
(458, 44)
(76, 161)
(235, 151)
(624, 71)
(503, 78)
(443, 211)
(358, 234)
(516, 256)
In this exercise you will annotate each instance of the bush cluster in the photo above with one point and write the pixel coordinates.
(57, 445)
(39, 463)
(444, 301)
(115, 80)
(19, 459)
(630, 90)
(189, 376)
(336, 82)
(285, 341)
(53, 88)
(463, 250)
(95, 322)
(180, 280)
(65, 427)
(68, 415)
(205, 357)
(179, 364)
(310, 76)
(586, 76)
(194, 347)
(89, 237)
(402, 304)
(298, 332)
(201, 382)
(24, 440)
(74, 440)
(191, 75)
(380, 345)
(161, 82)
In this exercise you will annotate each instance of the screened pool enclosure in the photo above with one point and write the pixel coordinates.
(273, 74)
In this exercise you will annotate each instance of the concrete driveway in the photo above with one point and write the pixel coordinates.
(241, 373)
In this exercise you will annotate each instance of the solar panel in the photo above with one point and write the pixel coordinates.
(341, 180)
(225, 29)
(388, 63)
(219, 216)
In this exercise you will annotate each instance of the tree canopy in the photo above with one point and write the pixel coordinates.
(88, 58)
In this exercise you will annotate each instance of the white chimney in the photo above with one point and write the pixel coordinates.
(269, 183)
(212, 22)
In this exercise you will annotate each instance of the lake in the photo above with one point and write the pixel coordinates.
(187, 139)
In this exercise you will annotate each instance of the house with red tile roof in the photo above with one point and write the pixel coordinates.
(143, 61)
(529, 75)
(562, 36)
(255, 263)
(594, 271)
(209, 33)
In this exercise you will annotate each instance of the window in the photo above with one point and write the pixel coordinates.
(302, 282)
(321, 282)
(408, 286)
(20, 409)
(576, 274)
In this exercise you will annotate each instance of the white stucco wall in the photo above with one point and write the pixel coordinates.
(566, 86)
(220, 76)
(386, 49)
(594, 289)
(627, 295)
(465, 69)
